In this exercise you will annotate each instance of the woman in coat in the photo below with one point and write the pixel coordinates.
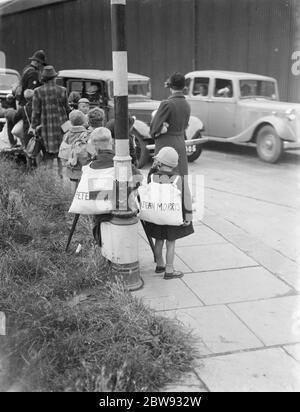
(168, 130)
(50, 109)
(174, 114)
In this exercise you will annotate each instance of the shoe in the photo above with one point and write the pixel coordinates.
(160, 269)
(174, 275)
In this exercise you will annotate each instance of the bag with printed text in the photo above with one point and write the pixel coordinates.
(161, 203)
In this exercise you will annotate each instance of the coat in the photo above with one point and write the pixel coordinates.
(50, 109)
(77, 137)
(176, 112)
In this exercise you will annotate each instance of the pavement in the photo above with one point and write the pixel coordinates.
(240, 295)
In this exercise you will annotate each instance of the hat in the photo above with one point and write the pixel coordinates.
(39, 56)
(10, 97)
(28, 94)
(176, 81)
(84, 100)
(92, 89)
(167, 156)
(48, 73)
(101, 134)
(77, 118)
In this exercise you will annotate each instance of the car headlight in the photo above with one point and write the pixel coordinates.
(290, 114)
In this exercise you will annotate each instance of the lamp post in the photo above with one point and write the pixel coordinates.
(120, 235)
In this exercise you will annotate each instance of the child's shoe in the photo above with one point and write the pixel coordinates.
(173, 275)
(160, 269)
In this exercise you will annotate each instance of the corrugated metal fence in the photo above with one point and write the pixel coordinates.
(163, 36)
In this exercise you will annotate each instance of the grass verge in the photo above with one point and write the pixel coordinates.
(111, 342)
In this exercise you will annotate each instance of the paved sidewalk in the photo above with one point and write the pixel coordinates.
(241, 298)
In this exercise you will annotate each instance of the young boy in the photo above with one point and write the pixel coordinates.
(163, 172)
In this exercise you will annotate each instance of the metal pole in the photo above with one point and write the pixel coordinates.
(121, 235)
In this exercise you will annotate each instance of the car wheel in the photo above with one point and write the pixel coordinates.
(269, 146)
(193, 155)
(141, 151)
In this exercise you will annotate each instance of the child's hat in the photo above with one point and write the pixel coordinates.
(77, 118)
(84, 100)
(167, 156)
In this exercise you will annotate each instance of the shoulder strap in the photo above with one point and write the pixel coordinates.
(27, 116)
(175, 180)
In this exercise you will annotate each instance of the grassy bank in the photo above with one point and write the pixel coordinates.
(54, 343)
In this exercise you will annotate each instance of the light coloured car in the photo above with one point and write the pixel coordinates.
(244, 108)
(140, 105)
(8, 79)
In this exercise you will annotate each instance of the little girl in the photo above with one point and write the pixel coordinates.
(162, 171)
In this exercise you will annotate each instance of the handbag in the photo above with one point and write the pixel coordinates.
(33, 147)
(161, 203)
(18, 130)
(95, 192)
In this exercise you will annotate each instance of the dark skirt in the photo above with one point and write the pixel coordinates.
(165, 232)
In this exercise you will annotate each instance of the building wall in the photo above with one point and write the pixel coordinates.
(163, 36)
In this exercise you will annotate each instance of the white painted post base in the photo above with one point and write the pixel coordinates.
(120, 246)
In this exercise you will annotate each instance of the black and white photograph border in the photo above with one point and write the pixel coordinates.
(173, 126)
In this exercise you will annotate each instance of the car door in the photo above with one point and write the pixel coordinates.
(198, 98)
(222, 109)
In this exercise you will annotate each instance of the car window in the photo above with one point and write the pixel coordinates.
(136, 88)
(75, 86)
(7, 80)
(258, 88)
(223, 88)
(200, 87)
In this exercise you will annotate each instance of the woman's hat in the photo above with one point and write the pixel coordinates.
(176, 81)
(39, 56)
(48, 73)
(167, 156)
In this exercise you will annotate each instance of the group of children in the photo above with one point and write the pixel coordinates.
(94, 146)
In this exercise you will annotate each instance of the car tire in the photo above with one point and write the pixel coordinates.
(269, 146)
(194, 156)
(141, 151)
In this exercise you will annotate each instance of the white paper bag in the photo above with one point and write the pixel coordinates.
(95, 192)
(161, 203)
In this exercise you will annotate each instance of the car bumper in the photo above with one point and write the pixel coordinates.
(291, 145)
(191, 142)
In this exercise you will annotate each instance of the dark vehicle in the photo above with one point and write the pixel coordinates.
(140, 105)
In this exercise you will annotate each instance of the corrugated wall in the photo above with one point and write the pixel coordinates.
(163, 36)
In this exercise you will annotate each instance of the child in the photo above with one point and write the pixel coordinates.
(73, 148)
(162, 171)
(84, 105)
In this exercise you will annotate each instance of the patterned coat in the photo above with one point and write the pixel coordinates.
(50, 109)
(176, 112)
